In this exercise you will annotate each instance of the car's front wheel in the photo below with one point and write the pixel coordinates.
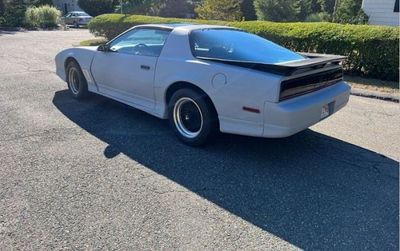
(77, 84)
(192, 117)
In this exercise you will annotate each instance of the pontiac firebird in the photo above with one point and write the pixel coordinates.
(206, 78)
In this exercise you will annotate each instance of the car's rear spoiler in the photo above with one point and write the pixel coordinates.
(311, 61)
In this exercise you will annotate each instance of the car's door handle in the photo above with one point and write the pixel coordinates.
(145, 67)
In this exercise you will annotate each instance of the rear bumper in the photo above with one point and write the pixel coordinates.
(286, 118)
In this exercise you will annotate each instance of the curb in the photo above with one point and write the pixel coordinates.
(11, 29)
(376, 95)
(22, 29)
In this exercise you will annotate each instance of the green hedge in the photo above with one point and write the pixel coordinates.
(110, 25)
(372, 51)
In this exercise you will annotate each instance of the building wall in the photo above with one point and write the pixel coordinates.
(381, 12)
(67, 5)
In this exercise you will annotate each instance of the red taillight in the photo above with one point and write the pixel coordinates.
(309, 83)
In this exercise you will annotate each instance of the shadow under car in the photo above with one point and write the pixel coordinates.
(312, 190)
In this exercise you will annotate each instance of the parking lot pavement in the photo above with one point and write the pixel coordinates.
(99, 175)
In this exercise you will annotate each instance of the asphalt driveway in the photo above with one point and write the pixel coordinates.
(100, 175)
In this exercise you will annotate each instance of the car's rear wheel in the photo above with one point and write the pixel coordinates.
(192, 117)
(77, 84)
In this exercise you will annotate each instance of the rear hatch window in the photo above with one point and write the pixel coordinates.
(237, 45)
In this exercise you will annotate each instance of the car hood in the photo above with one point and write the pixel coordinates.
(90, 48)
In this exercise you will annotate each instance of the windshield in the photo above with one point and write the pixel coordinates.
(82, 13)
(238, 45)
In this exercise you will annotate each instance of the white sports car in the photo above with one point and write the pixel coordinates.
(206, 79)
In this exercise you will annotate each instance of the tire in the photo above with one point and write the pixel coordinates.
(76, 81)
(192, 117)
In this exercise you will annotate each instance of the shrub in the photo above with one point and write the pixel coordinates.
(31, 17)
(44, 16)
(110, 25)
(372, 51)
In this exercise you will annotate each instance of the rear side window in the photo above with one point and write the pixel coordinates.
(237, 45)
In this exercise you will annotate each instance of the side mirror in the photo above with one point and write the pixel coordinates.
(104, 48)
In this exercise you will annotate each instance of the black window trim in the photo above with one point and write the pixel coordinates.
(396, 6)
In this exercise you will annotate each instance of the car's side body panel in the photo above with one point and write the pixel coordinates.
(230, 88)
(122, 76)
(84, 56)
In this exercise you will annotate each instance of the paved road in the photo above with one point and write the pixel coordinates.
(100, 175)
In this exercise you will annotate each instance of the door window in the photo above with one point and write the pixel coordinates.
(143, 42)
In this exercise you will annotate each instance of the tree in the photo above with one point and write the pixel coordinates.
(349, 11)
(2, 8)
(276, 10)
(97, 7)
(327, 6)
(228, 10)
(294, 10)
(314, 10)
(140, 7)
(303, 9)
(14, 13)
(319, 17)
(175, 8)
(38, 3)
(247, 8)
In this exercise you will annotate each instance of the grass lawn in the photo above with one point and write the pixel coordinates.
(93, 42)
(372, 84)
